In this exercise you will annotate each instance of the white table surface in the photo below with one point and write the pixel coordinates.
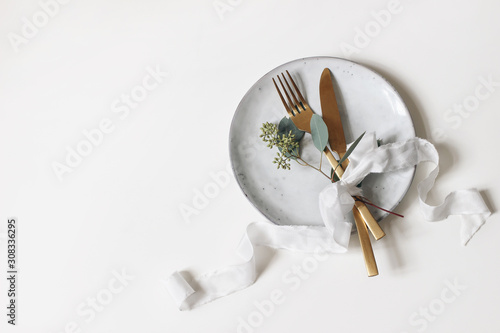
(118, 210)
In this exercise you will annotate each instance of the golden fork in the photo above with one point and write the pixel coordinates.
(300, 113)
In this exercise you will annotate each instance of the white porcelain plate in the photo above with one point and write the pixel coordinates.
(367, 102)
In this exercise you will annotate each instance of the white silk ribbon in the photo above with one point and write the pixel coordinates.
(335, 203)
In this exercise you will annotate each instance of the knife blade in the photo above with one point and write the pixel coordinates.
(336, 139)
(331, 114)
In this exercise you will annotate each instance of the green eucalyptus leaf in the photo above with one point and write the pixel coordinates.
(351, 148)
(286, 125)
(319, 132)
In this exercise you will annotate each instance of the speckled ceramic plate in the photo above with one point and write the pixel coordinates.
(367, 102)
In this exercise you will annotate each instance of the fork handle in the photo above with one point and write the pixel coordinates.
(372, 224)
(366, 246)
(367, 216)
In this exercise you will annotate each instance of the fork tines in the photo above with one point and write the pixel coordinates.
(297, 105)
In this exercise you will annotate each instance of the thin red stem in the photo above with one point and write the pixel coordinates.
(367, 202)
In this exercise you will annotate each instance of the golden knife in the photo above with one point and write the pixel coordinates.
(336, 139)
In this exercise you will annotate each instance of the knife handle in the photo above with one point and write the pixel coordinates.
(366, 246)
(372, 224)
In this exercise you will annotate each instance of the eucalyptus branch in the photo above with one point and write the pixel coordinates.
(287, 144)
(312, 166)
(320, 159)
